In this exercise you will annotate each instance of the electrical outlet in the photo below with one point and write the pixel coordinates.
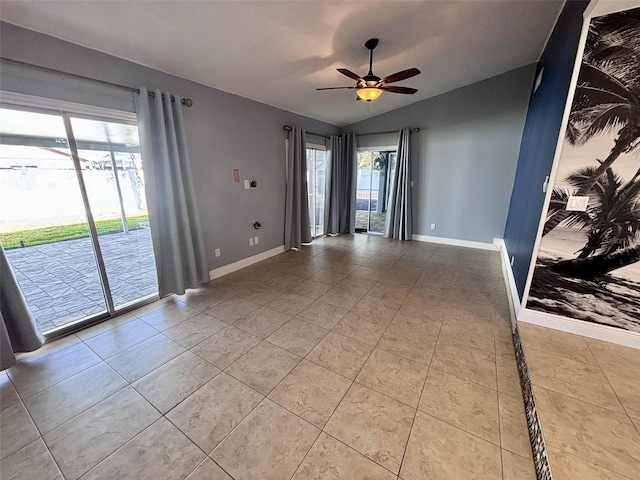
(512, 260)
(256, 240)
(246, 184)
(251, 241)
(433, 226)
(217, 251)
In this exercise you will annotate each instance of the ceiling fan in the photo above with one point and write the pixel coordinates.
(370, 86)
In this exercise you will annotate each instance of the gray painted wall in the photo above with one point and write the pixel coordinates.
(224, 132)
(465, 155)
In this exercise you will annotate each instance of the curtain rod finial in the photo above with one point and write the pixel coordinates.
(288, 128)
(414, 130)
(187, 102)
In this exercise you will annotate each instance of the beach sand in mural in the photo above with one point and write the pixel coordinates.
(612, 299)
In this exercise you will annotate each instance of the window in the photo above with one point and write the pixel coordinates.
(374, 178)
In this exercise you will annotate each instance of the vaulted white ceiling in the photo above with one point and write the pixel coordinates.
(278, 52)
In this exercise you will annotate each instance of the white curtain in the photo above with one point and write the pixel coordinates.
(340, 198)
(297, 228)
(18, 329)
(173, 215)
(398, 221)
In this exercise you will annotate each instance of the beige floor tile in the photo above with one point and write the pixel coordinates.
(322, 314)
(208, 470)
(268, 445)
(120, 338)
(263, 367)
(547, 340)
(373, 424)
(262, 322)
(342, 297)
(514, 433)
(515, 467)
(507, 374)
(29, 463)
(439, 451)
(311, 289)
(297, 336)
(233, 309)
(463, 404)
(261, 293)
(8, 395)
(311, 392)
(290, 303)
(17, 430)
(330, 459)
(565, 466)
(623, 380)
(205, 297)
(80, 444)
(410, 340)
(33, 376)
(226, 346)
(283, 282)
(329, 276)
(195, 329)
(359, 327)
(392, 295)
(394, 376)
(174, 381)
(49, 348)
(55, 405)
(572, 378)
(137, 361)
(340, 354)
(473, 333)
(590, 432)
(213, 411)
(105, 326)
(465, 362)
(169, 316)
(375, 308)
(161, 452)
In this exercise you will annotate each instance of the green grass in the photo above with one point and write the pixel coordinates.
(40, 236)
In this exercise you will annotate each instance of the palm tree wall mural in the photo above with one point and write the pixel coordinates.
(588, 262)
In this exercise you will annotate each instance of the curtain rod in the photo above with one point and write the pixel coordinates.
(187, 102)
(288, 128)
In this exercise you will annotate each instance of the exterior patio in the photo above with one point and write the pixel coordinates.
(61, 281)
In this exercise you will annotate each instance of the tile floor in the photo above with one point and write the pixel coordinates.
(355, 358)
(588, 398)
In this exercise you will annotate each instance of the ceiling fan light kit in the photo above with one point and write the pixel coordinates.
(370, 86)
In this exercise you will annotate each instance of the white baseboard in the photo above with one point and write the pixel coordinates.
(581, 327)
(509, 280)
(245, 262)
(453, 241)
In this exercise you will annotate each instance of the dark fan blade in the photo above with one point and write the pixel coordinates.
(393, 89)
(396, 77)
(333, 88)
(349, 73)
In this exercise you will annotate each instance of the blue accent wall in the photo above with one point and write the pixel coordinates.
(539, 139)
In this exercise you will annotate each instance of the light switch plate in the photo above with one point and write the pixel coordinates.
(577, 204)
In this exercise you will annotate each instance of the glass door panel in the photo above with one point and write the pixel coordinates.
(43, 222)
(112, 171)
(316, 173)
(372, 193)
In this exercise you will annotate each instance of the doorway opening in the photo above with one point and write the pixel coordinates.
(373, 183)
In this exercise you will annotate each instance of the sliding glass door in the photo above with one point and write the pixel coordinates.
(316, 174)
(73, 217)
(374, 174)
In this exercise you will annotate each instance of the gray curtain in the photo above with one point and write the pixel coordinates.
(173, 215)
(340, 197)
(297, 228)
(398, 221)
(18, 329)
